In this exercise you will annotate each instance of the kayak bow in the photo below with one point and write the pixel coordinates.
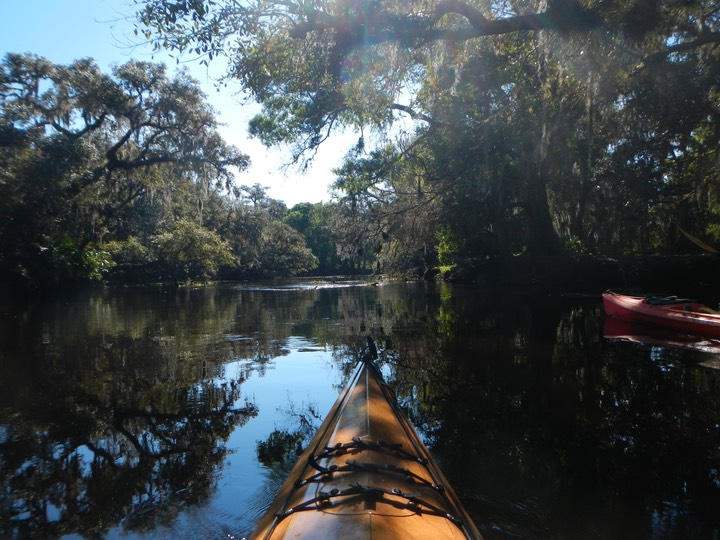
(366, 474)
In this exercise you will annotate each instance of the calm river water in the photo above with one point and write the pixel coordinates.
(155, 413)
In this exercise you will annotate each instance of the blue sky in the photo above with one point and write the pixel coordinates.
(65, 30)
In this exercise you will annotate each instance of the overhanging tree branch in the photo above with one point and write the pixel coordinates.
(373, 28)
(417, 115)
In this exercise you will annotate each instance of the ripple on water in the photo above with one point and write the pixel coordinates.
(206, 522)
(500, 518)
(306, 285)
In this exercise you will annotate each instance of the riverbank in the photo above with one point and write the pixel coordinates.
(673, 273)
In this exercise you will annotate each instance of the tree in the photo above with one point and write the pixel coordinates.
(318, 66)
(388, 208)
(263, 245)
(190, 251)
(312, 220)
(84, 154)
(257, 195)
(283, 251)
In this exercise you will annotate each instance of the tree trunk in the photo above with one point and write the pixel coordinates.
(578, 228)
(542, 237)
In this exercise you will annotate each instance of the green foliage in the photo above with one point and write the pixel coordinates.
(65, 261)
(126, 175)
(283, 251)
(532, 131)
(189, 251)
(129, 252)
(447, 247)
(133, 261)
(713, 225)
(574, 245)
(96, 262)
(313, 222)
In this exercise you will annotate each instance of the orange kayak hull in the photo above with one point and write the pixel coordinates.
(366, 474)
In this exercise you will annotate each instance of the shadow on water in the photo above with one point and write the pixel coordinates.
(139, 413)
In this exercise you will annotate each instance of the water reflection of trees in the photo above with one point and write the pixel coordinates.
(560, 431)
(122, 422)
(544, 429)
(81, 466)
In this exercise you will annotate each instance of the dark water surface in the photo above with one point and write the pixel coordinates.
(152, 413)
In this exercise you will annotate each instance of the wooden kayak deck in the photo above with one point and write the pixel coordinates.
(366, 474)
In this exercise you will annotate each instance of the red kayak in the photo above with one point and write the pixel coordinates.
(678, 314)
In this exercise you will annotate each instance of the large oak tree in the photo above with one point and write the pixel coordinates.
(316, 66)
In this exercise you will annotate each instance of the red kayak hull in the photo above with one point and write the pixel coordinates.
(683, 316)
(657, 336)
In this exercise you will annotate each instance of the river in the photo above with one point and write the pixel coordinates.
(176, 413)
